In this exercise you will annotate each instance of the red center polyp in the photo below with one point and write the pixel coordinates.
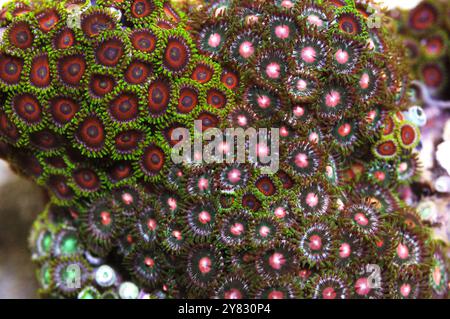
(106, 218)
(246, 49)
(379, 175)
(332, 99)
(308, 54)
(214, 40)
(282, 31)
(402, 251)
(301, 160)
(204, 217)
(341, 56)
(273, 70)
(362, 286)
(361, 219)
(344, 129)
(315, 242)
(149, 262)
(204, 265)
(130, 239)
(277, 261)
(329, 293)
(151, 224)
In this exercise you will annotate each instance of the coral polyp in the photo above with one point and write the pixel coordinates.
(91, 119)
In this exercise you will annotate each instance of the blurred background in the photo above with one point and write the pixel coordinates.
(21, 201)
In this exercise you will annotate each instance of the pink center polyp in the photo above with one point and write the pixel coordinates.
(127, 198)
(203, 184)
(345, 250)
(177, 235)
(315, 242)
(341, 56)
(242, 120)
(299, 111)
(312, 200)
(233, 294)
(234, 175)
(402, 251)
(282, 31)
(437, 275)
(364, 81)
(405, 290)
(329, 293)
(280, 212)
(313, 137)
(287, 4)
(301, 85)
(246, 49)
(273, 70)
(264, 231)
(277, 261)
(308, 54)
(172, 203)
(362, 286)
(275, 295)
(263, 101)
(204, 265)
(204, 217)
(332, 99)
(284, 132)
(214, 40)
(315, 20)
(361, 219)
(237, 229)
(301, 160)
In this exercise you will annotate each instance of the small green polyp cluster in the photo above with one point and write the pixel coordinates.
(90, 118)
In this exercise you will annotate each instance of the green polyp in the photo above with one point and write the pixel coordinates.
(89, 293)
(45, 276)
(46, 242)
(69, 245)
(69, 274)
